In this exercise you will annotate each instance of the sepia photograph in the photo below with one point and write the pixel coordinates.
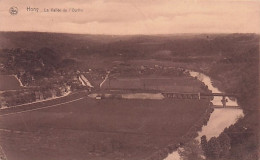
(129, 80)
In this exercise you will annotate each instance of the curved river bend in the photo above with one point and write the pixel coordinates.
(219, 119)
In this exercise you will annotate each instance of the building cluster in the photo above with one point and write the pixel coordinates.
(162, 70)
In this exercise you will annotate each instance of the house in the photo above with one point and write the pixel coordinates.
(98, 97)
(38, 96)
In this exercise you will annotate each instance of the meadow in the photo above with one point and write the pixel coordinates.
(98, 129)
(166, 84)
(8, 82)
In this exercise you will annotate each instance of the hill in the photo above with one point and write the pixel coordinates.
(135, 46)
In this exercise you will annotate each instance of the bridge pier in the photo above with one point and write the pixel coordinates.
(224, 101)
(198, 95)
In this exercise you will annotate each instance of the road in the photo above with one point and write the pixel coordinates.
(44, 104)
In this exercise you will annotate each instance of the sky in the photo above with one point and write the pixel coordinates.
(124, 17)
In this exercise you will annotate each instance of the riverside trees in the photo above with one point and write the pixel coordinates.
(217, 147)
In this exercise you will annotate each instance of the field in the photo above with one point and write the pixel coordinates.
(98, 130)
(8, 82)
(167, 84)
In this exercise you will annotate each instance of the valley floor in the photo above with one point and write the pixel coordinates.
(98, 129)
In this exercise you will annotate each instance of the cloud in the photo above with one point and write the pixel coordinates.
(135, 16)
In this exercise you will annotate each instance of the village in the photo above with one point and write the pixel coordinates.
(40, 79)
(114, 98)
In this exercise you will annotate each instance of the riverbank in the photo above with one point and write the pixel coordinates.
(171, 151)
(243, 78)
(217, 121)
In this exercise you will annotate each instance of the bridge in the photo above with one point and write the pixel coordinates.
(178, 95)
(219, 94)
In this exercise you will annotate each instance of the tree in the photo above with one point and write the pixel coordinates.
(191, 151)
(204, 145)
(214, 149)
(224, 141)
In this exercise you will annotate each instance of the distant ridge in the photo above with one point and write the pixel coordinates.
(130, 45)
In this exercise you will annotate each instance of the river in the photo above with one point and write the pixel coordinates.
(220, 118)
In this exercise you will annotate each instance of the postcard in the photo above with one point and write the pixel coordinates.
(129, 80)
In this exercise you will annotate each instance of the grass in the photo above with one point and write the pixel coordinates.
(98, 130)
(167, 84)
(8, 82)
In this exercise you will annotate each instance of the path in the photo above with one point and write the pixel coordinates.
(104, 79)
(44, 104)
(35, 109)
